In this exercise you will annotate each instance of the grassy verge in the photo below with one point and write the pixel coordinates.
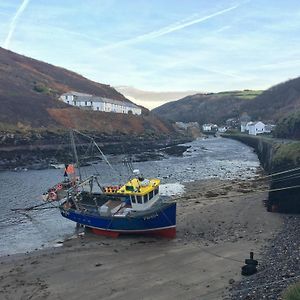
(292, 292)
(287, 155)
(245, 94)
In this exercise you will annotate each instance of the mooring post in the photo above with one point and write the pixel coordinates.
(250, 265)
(251, 255)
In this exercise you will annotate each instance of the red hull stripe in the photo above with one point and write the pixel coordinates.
(164, 232)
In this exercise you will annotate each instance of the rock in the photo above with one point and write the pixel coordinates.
(210, 194)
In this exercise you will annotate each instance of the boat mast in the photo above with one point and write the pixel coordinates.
(75, 153)
(98, 148)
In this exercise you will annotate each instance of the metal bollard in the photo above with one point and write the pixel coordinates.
(250, 266)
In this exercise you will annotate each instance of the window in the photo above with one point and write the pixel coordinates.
(139, 199)
(156, 191)
(146, 198)
(97, 108)
(132, 198)
(129, 188)
(74, 102)
(150, 195)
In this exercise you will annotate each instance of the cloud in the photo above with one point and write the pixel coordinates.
(14, 21)
(280, 65)
(168, 29)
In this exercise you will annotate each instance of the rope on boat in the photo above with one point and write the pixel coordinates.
(29, 208)
(35, 207)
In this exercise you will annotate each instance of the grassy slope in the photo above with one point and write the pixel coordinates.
(28, 97)
(289, 126)
(110, 122)
(29, 87)
(204, 108)
(272, 104)
(293, 292)
(245, 94)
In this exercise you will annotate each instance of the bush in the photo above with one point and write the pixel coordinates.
(289, 127)
(286, 155)
(40, 88)
(292, 292)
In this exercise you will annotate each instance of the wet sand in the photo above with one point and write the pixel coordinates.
(218, 224)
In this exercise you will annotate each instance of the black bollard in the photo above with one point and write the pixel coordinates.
(250, 266)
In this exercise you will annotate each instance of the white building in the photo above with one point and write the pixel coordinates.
(222, 129)
(244, 126)
(90, 102)
(256, 128)
(209, 127)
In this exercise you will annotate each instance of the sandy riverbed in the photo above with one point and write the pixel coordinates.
(218, 224)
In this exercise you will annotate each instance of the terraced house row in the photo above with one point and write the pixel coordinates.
(96, 103)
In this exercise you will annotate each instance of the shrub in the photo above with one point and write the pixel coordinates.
(292, 292)
(40, 88)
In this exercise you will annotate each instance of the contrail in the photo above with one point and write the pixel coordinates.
(14, 21)
(168, 29)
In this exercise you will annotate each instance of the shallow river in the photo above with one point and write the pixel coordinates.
(22, 232)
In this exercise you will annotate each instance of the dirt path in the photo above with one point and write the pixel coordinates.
(214, 236)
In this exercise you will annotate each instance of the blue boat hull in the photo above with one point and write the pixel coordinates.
(161, 221)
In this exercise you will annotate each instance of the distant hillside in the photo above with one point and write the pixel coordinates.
(204, 108)
(277, 102)
(272, 104)
(151, 99)
(28, 97)
(289, 126)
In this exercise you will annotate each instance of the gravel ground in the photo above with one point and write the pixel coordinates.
(218, 223)
(279, 266)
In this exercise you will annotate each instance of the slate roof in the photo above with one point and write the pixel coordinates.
(87, 97)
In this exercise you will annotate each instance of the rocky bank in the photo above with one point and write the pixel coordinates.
(38, 150)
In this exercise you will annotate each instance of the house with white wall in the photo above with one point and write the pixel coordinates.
(245, 126)
(244, 119)
(255, 128)
(209, 127)
(91, 102)
(222, 129)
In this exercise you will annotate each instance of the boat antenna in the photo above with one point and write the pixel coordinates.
(75, 153)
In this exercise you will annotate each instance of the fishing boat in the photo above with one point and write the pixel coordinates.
(135, 207)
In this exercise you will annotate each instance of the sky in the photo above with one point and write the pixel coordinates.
(160, 45)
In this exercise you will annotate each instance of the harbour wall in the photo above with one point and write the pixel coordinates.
(278, 156)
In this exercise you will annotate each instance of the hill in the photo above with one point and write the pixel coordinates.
(28, 88)
(204, 108)
(28, 97)
(273, 104)
(152, 99)
(277, 102)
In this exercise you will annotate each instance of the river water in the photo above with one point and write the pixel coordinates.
(22, 232)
